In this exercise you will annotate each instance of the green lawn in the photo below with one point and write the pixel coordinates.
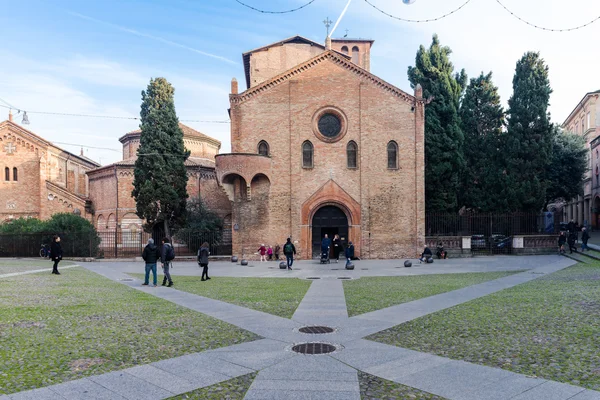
(11, 266)
(59, 328)
(374, 293)
(549, 327)
(277, 296)
(233, 389)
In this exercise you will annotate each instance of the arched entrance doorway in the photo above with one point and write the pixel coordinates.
(330, 220)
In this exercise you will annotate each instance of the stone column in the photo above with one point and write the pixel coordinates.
(580, 210)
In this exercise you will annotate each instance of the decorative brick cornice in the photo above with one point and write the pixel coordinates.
(325, 56)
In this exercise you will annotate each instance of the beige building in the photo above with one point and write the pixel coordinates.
(584, 121)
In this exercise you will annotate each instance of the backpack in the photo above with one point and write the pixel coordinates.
(287, 248)
(170, 253)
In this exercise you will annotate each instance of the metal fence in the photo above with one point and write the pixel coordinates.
(487, 225)
(109, 244)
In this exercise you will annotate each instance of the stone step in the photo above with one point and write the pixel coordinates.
(591, 254)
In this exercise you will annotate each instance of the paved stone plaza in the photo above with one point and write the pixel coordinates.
(284, 374)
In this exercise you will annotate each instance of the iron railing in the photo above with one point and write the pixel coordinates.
(109, 244)
(510, 224)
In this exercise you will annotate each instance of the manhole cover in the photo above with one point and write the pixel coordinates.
(313, 277)
(364, 269)
(344, 277)
(126, 280)
(314, 348)
(316, 329)
(335, 269)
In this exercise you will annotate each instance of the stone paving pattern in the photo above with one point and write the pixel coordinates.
(283, 374)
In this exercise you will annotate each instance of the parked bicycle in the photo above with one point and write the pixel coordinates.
(45, 251)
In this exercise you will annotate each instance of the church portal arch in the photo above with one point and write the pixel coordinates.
(329, 220)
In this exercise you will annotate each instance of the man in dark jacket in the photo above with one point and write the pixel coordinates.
(349, 253)
(571, 241)
(56, 253)
(151, 255)
(325, 245)
(289, 250)
(585, 236)
(165, 259)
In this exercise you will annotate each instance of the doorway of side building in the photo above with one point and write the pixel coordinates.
(330, 220)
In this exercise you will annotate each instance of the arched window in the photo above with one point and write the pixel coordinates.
(15, 174)
(345, 50)
(351, 153)
(392, 151)
(355, 55)
(7, 174)
(263, 148)
(307, 155)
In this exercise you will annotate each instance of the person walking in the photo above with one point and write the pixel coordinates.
(56, 253)
(349, 253)
(585, 236)
(270, 253)
(289, 250)
(151, 255)
(203, 254)
(262, 250)
(571, 241)
(167, 254)
(277, 251)
(337, 247)
(325, 246)
(562, 239)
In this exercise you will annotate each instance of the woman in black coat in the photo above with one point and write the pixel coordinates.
(56, 253)
(337, 247)
(203, 254)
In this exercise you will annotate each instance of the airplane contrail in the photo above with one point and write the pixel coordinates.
(156, 38)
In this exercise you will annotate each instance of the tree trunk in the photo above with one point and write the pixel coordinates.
(166, 226)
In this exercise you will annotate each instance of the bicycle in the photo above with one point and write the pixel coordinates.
(45, 251)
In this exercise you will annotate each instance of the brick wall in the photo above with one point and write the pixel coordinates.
(390, 220)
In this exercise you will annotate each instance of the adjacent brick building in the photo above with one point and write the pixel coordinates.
(111, 185)
(321, 145)
(38, 178)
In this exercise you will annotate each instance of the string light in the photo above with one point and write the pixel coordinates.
(544, 28)
(418, 20)
(110, 116)
(275, 12)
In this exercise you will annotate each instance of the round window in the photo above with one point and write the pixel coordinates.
(329, 125)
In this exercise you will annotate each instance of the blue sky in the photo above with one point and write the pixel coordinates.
(95, 57)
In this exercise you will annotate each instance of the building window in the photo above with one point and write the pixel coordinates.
(583, 125)
(263, 148)
(15, 174)
(355, 55)
(351, 152)
(7, 174)
(589, 121)
(576, 127)
(345, 50)
(307, 155)
(392, 151)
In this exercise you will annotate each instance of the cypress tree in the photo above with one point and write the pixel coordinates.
(444, 158)
(527, 146)
(482, 119)
(160, 176)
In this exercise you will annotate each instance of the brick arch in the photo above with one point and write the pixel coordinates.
(331, 194)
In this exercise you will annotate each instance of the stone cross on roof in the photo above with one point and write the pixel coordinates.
(10, 148)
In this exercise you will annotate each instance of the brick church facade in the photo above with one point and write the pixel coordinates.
(320, 145)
